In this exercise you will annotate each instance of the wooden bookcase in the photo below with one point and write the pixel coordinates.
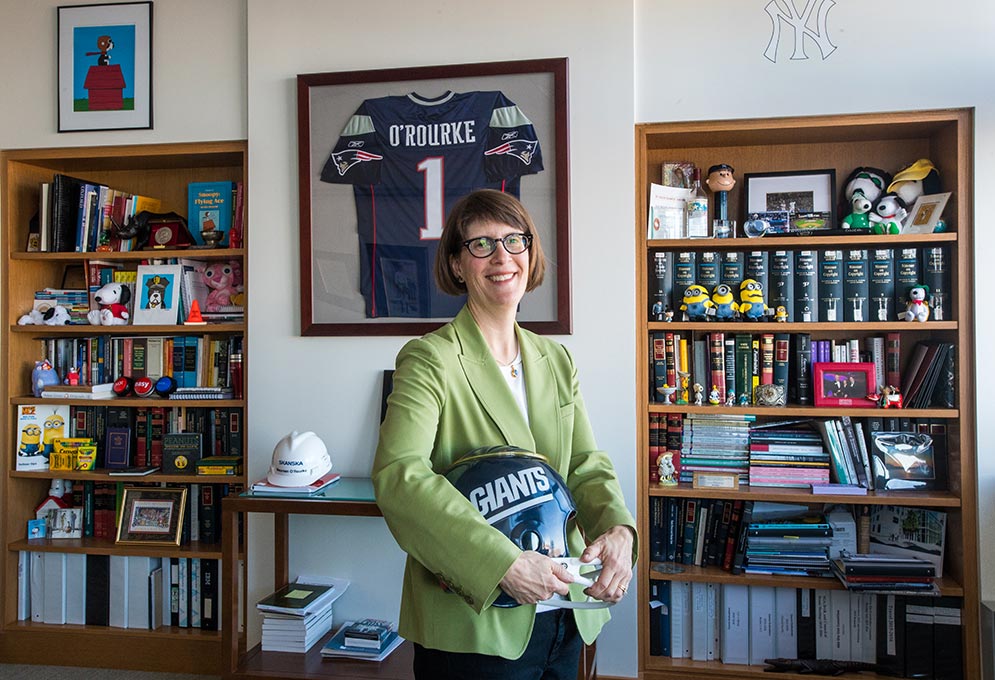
(842, 142)
(162, 171)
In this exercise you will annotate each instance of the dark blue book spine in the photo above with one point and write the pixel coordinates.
(782, 354)
(732, 269)
(936, 275)
(856, 284)
(831, 285)
(685, 271)
(881, 288)
(708, 270)
(782, 282)
(663, 264)
(907, 274)
(758, 268)
(800, 371)
(806, 286)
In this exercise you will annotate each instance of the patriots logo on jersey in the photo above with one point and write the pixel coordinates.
(350, 157)
(522, 149)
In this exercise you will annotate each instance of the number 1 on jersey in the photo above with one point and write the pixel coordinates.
(434, 198)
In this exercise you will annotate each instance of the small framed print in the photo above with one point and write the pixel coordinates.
(151, 516)
(805, 195)
(715, 480)
(925, 214)
(848, 385)
(158, 294)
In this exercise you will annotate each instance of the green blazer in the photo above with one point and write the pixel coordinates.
(449, 397)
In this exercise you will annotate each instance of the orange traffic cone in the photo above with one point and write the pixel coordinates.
(194, 318)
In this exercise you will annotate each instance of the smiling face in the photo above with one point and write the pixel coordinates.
(497, 281)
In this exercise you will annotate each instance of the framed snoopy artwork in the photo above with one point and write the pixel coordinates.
(383, 157)
(157, 294)
(105, 67)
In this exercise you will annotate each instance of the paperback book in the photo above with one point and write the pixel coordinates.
(336, 647)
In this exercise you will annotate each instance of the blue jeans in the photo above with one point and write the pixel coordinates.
(553, 653)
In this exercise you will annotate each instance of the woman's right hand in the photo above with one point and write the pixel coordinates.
(533, 577)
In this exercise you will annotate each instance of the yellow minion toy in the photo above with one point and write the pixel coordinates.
(751, 300)
(696, 303)
(54, 428)
(726, 307)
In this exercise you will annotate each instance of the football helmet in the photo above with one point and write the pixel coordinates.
(519, 494)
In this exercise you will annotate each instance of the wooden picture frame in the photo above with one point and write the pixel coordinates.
(844, 385)
(151, 516)
(333, 261)
(105, 67)
(800, 192)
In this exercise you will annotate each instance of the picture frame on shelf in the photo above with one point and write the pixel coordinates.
(808, 195)
(924, 215)
(158, 294)
(105, 67)
(151, 516)
(345, 288)
(844, 385)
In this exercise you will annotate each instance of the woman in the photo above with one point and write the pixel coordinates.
(482, 380)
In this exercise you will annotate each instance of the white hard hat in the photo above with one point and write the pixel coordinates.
(298, 459)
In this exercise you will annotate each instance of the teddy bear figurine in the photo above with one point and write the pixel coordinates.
(917, 308)
(113, 299)
(220, 278)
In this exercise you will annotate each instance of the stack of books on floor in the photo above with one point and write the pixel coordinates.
(797, 547)
(369, 639)
(886, 574)
(296, 616)
(787, 457)
(715, 443)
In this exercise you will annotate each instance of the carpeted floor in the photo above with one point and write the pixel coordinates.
(26, 672)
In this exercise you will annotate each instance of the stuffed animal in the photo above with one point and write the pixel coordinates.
(696, 303)
(889, 213)
(113, 299)
(918, 305)
(725, 307)
(220, 278)
(42, 376)
(915, 180)
(869, 181)
(751, 300)
(860, 208)
(665, 466)
(56, 315)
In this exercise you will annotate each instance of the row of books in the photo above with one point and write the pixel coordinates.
(120, 591)
(193, 361)
(732, 366)
(749, 536)
(740, 624)
(812, 285)
(82, 216)
(139, 432)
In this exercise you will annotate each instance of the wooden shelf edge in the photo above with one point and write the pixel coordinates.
(925, 499)
(665, 667)
(104, 476)
(800, 326)
(75, 330)
(99, 546)
(947, 585)
(124, 256)
(799, 242)
(801, 411)
(132, 401)
(71, 629)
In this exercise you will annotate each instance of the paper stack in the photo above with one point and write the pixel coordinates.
(299, 614)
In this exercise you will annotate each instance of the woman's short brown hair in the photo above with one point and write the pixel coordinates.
(485, 205)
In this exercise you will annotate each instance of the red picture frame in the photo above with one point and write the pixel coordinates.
(844, 385)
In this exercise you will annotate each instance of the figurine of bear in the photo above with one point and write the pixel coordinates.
(751, 300)
(696, 303)
(917, 308)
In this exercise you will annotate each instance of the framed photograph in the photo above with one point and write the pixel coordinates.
(105, 67)
(383, 157)
(807, 195)
(157, 294)
(151, 515)
(844, 385)
(926, 212)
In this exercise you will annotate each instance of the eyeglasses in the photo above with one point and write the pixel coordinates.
(484, 246)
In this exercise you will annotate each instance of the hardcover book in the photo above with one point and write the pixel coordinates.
(907, 275)
(210, 208)
(904, 532)
(118, 448)
(856, 286)
(295, 598)
(782, 282)
(936, 275)
(181, 451)
(732, 269)
(367, 633)
(757, 268)
(708, 270)
(685, 271)
(881, 288)
(806, 286)
(831, 285)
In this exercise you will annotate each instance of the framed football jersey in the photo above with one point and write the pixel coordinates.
(383, 157)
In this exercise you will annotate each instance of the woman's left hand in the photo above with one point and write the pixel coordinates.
(614, 549)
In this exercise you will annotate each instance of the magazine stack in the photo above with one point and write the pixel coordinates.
(298, 615)
(370, 639)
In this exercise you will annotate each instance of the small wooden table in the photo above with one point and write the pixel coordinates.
(350, 496)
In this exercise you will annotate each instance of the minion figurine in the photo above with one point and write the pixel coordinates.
(54, 428)
(751, 300)
(30, 444)
(696, 303)
(781, 314)
(726, 307)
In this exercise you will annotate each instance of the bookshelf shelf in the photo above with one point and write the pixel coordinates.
(842, 143)
(158, 171)
(925, 499)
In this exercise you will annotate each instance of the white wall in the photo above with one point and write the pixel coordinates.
(331, 385)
